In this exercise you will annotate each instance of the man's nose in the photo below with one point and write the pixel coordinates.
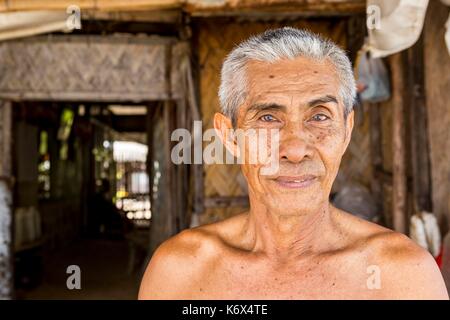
(294, 144)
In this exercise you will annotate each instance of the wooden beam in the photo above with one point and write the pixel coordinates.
(6, 213)
(437, 83)
(169, 169)
(101, 5)
(275, 7)
(376, 152)
(399, 196)
(195, 7)
(162, 16)
(420, 162)
(150, 130)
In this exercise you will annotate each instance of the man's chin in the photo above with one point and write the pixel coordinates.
(295, 200)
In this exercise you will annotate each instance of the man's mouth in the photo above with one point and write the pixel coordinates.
(295, 182)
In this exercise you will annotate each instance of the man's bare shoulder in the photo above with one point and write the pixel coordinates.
(180, 261)
(407, 270)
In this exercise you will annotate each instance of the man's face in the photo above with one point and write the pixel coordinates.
(300, 98)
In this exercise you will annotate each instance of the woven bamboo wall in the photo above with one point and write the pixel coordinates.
(215, 40)
(94, 68)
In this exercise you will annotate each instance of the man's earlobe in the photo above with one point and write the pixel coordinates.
(224, 129)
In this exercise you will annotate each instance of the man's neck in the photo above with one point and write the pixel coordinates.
(286, 237)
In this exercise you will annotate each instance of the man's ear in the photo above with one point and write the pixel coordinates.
(349, 122)
(224, 129)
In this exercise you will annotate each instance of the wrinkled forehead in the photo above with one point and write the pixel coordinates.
(301, 79)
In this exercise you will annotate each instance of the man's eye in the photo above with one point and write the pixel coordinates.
(320, 117)
(267, 118)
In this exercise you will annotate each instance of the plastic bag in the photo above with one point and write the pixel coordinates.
(357, 200)
(447, 34)
(372, 78)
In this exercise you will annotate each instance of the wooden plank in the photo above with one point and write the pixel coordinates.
(6, 213)
(417, 112)
(376, 152)
(25, 5)
(437, 84)
(162, 16)
(150, 128)
(399, 195)
(192, 92)
(274, 8)
(183, 170)
(191, 6)
(170, 179)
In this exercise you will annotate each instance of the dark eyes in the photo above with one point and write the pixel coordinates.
(320, 117)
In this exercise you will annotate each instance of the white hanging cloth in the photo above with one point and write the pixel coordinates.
(447, 27)
(394, 25)
(29, 23)
(424, 230)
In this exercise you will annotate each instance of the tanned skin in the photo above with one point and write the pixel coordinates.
(292, 243)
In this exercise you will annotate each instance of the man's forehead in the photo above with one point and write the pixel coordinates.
(300, 66)
(301, 78)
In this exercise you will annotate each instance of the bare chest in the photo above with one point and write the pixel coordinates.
(326, 280)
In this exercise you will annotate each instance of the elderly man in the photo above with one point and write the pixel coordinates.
(292, 243)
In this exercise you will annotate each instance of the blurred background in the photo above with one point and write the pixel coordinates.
(90, 92)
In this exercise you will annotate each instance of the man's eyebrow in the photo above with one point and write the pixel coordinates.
(322, 100)
(266, 106)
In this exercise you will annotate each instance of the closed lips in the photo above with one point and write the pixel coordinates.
(295, 178)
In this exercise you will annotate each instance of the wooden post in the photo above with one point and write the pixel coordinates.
(150, 118)
(398, 145)
(376, 152)
(437, 84)
(168, 172)
(417, 116)
(6, 213)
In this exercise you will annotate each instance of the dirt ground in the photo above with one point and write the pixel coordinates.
(103, 265)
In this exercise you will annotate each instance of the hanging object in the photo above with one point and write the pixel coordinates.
(424, 230)
(372, 78)
(394, 25)
(22, 24)
(447, 27)
(447, 34)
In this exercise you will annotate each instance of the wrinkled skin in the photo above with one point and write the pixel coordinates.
(291, 244)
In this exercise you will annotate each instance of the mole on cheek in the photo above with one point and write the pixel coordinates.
(271, 76)
(321, 136)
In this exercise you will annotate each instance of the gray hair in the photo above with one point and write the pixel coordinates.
(274, 45)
